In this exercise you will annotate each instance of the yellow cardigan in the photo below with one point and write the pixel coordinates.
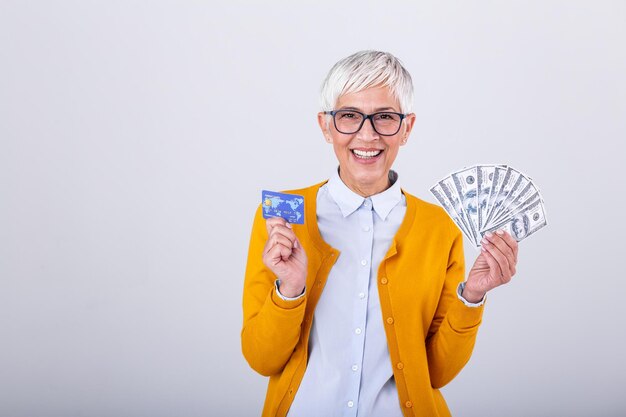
(430, 332)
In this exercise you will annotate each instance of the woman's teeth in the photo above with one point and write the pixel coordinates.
(366, 154)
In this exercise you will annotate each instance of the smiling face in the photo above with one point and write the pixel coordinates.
(365, 157)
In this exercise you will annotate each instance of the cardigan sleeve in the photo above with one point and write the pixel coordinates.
(453, 330)
(271, 325)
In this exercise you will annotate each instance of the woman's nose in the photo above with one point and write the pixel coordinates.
(367, 131)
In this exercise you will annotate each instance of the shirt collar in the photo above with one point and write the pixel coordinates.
(349, 201)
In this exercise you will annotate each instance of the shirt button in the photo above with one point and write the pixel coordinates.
(363, 262)
(361, 295)
(383, 280)
(390, 320)
(366, 229)
(408, 404)
(357, 330)
(350, 404)
(400, 365)
(355, 368)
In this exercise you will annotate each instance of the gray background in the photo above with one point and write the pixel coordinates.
(135, 138)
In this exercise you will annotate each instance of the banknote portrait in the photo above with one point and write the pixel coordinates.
(519, 227)
(470, 201)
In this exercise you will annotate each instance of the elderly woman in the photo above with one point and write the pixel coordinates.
(364, 309)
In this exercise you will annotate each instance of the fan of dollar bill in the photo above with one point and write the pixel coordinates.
(485, 198)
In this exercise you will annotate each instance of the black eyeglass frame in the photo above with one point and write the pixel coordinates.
(365, 117)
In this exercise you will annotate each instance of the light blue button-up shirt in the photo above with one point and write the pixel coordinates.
(349, 371)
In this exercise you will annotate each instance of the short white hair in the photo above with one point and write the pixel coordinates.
(367, 69)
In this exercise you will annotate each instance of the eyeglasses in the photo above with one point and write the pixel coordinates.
(351, 121)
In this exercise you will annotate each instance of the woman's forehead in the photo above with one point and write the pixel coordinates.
(370, 99)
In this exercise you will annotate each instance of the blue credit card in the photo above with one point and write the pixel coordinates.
(288, 206)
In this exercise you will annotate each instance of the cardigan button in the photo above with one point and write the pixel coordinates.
(390, 320)
(383, 280)
(400, 365)
(408, 404)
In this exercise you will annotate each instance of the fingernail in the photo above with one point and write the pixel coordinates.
(500, 231)
(295, 244)
(288, 225)
(484, 242)
(488, 234)
(482, 248)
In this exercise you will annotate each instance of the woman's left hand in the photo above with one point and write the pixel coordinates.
(494, 266)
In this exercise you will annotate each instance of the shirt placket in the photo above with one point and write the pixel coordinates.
(364, 243)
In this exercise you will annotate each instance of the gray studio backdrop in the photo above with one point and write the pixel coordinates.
(135, 138)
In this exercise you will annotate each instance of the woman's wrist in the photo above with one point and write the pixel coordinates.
(472, 295)
(289, 292)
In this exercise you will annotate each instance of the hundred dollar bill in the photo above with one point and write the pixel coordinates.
(517, 187)
(496, 183)
(508, 215)
(447, 206)
(525, 196)
(508, 182)
(484, 182)
(447, 186)
(523, 223)
(465, 185)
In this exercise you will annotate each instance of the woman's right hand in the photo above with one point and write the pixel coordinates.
(285, 257)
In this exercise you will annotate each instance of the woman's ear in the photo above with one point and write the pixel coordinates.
(410, 121)
(324, 121)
